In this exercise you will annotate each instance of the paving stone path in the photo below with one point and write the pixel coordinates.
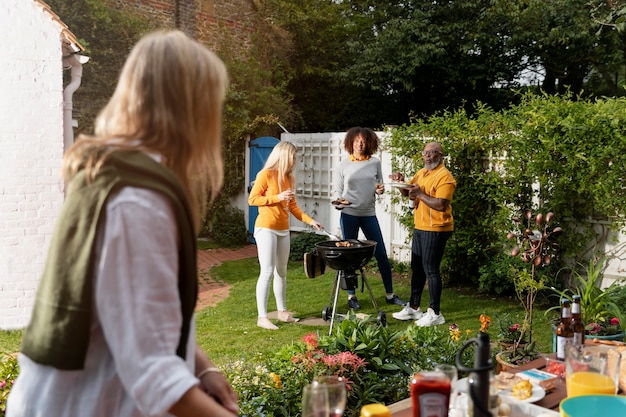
(211, 291)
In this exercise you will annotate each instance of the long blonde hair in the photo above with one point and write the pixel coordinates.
(168, 100)
(282, 160)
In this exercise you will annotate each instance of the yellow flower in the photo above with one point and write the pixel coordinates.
(455, 332)
(278, 383)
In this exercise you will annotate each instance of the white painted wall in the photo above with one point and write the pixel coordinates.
(31, 151)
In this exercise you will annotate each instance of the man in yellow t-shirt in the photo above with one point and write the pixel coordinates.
(432, 191)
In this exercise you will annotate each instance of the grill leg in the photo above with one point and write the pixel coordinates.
(369, 289)
(336, 291)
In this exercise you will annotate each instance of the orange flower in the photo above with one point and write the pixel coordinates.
(485, 321)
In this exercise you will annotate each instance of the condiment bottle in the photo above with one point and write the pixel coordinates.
(375, 410)
(430, 394)
(578, 327)
(564, 332)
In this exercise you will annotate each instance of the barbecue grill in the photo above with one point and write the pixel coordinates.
(347, 257)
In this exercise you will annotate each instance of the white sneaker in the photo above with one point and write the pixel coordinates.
(408, 313)
(430, 319)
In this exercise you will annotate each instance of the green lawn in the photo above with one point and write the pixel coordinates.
(228, 331)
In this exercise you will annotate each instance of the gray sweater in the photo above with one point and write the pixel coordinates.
(356, 182)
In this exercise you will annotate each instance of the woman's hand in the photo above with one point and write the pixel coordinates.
(216, 385)
(316, 225)
(286, 195)
(380, 188)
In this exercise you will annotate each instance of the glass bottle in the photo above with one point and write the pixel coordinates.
(578, 327)
(430, 394)
(564, 331)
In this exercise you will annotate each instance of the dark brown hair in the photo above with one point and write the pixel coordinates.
(371, 140)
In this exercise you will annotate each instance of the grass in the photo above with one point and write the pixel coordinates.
(228, 331)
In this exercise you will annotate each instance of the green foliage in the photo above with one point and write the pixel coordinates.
(376, 362)
(523, 354)
(228, 227)
(596, 305)
(496, 276)
(107, 35)
(8, 373)
(303, 243)
(498, 157)
(509, 328)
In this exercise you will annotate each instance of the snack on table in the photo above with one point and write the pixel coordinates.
(556, 368)
(506, 380)
(522, 390)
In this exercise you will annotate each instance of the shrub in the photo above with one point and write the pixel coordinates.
(229, 227)
(303, 243)
(376, 362)
(8, 372)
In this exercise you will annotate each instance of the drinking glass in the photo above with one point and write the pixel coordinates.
(591, 370)
(287, 201)
(336, 389)
(315, 401)
(451, 372)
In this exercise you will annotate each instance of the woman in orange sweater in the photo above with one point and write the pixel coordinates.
(274, 195)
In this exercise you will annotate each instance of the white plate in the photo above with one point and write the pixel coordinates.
(537, 394)
(401, 185)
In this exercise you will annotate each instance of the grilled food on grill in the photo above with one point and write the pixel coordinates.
(344, 244)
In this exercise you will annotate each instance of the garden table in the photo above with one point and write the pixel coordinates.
(553, 397)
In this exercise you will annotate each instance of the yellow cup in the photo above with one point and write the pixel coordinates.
(591, 370)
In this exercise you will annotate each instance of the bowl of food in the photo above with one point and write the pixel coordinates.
(555, 367)
(596, 405)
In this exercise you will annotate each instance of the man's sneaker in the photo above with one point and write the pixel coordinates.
(396, 300)
(408, 313)
(430, 319)
(353, 303)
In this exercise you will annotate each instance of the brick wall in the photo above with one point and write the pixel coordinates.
(31, 150)
(209, 21)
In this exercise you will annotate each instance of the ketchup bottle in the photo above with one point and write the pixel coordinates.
(430, 394)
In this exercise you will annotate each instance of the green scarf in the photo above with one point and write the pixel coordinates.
(59, 330)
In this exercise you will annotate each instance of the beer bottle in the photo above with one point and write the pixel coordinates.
(564, 332)
(578, 327)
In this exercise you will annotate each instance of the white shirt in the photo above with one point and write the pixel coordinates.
(131, 368)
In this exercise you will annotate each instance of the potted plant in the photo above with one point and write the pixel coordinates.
(602, 315)
(510, 330)
(535, 245)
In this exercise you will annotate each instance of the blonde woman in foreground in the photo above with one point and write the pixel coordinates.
(112, 331)
(274, 194)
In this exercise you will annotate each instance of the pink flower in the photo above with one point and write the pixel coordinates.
(3, 384)
(614, 321)
(310, 340)
(594, 328)
(514, 327)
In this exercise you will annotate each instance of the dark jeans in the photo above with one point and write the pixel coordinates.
(426, 254)
(371, 229)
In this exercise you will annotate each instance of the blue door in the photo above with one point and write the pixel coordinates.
(260, 149)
